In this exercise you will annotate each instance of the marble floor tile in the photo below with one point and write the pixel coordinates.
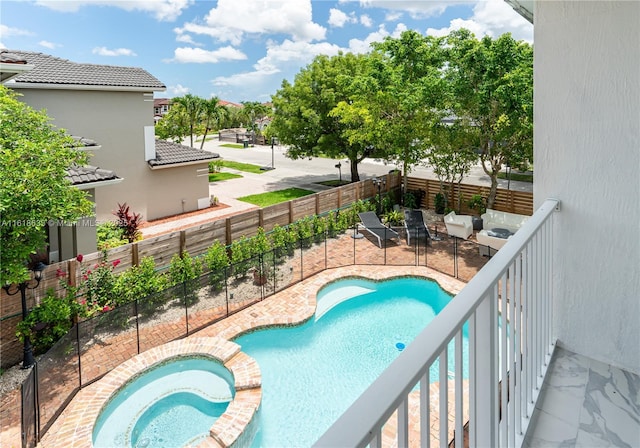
(586, 403)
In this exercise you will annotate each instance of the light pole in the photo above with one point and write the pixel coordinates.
(28, 360)
(379, 182)
(339, 166)
(273, 140)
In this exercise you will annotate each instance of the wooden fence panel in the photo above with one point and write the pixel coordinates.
(327, 200)
(245, 224)
(520, 202)
(198, 239)
(349, 194)
(275, 214)
(162, 248)
(304, 206)
(123, 254)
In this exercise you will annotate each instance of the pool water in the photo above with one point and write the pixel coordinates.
(171, 405)
(313, 372)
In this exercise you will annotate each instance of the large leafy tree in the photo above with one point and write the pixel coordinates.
(34, 159)
(305, 117)
(398, 101)
(252, 111)
(452, 154)
(492, 82)
(192, 106)
(174, 125)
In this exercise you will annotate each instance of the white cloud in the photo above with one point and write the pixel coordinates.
(231, 20)
(392, 16)
(417, 9)
(366, 21)
(185, 38)
(364, 45)
(339, 18)
(104, 51)
(163, 10)
(198, 55)
(6, 31)
(283, 57)
(178, 90)
(491, 18)
(47, 44)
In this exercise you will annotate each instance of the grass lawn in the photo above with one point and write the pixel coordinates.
(215, 177)
(246, 167)
(517, 176)
(275, 197)
(232, 145)
(334, 183)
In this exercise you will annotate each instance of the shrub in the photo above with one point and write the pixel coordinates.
(109, 235)
(278, 240)
(410, 200)
(186, 271)
(241, 256)
(477, 203)
(140, 282)
(216, 260)
(129, 222)
(318, 227)
(215, 166)
(49, 321)
(98, 285)
(394, 218)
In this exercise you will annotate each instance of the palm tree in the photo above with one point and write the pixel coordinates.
(212, 114)
(193, 108)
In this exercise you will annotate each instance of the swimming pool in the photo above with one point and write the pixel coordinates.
(169, 405)
(311, 373)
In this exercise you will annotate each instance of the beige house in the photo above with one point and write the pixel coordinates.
(113, 106)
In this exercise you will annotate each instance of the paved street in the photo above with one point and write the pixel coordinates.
(305, 173)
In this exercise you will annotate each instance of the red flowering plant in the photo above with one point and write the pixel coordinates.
(95, 291)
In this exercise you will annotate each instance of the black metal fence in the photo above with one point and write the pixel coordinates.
(95, 346)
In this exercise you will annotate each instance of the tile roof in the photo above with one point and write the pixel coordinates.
(168, 153)
(88, 174)
(52, 70)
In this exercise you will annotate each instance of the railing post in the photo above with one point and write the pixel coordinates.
(485, 377)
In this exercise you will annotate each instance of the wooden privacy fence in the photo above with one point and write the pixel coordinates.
(197, 239)
(520, 202)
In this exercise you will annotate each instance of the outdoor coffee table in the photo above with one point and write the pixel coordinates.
(500, 233)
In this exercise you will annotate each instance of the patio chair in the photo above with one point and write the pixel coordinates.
(373, 225)
(415, 225)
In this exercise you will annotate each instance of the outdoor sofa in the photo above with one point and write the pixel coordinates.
(459, 225)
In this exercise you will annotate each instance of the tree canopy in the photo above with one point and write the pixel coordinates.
(34, 188)
(307, 117)
(390, 103)
(492, 88)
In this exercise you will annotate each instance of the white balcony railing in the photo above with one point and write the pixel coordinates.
(506, 311)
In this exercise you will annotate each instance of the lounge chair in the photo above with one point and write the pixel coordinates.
(372, 223)
(415, 225)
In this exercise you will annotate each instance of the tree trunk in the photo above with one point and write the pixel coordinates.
(493, 191)
(355, 177)
(204, 137)
(405, 185)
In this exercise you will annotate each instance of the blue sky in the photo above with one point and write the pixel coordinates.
(238, 50)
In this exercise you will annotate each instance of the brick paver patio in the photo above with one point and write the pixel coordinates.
(288, 306)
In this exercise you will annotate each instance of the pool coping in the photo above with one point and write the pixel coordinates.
(226, 429)
(289, 307)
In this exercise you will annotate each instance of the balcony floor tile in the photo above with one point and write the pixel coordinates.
(586, 403)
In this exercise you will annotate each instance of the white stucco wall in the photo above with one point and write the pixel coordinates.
(587, 154)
